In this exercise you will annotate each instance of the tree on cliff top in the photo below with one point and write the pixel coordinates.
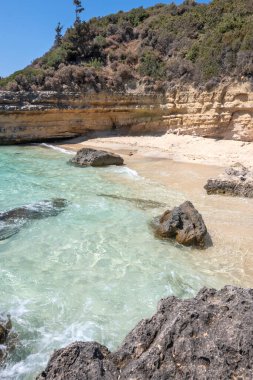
(79, 9)
(58, 35)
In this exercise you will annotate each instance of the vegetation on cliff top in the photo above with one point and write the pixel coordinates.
(147, 49)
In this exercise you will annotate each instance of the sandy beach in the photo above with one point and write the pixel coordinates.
(188, 149)
(184, 163)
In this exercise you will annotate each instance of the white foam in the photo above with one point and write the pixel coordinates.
(23, 368)
(127, 171)
(57, 148)
(49, 341)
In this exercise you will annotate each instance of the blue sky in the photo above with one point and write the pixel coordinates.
(27, 26)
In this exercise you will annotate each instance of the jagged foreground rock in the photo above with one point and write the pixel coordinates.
(93, 157)
(207, 337)
(184, 223)
(236, 181)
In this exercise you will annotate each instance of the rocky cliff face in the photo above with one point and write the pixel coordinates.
(226, 112)
(27, 117)
(207, 337)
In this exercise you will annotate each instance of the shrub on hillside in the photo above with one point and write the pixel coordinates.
(151, 65)
(192, 42)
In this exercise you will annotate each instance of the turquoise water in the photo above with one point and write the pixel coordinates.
(91, 272)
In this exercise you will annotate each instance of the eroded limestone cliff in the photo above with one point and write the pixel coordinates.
(225, 112)
(27, 117)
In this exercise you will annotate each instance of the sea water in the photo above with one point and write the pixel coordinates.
(94, 270)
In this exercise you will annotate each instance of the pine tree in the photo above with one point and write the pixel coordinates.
(58, 35)
(79, 10)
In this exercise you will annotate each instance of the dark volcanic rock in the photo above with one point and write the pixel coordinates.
(81, 361)
(184, 223)
(93, 157)
(236, 181)
(11, 221)
(207, 337)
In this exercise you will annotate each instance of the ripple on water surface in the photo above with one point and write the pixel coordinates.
(91, 272)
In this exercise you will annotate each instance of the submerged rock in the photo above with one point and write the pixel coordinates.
(143, 204)
(207, 337)
(237, 180)
(38, 210)
(184, 223)
(11, 221)
(93, 157)
(8, 339)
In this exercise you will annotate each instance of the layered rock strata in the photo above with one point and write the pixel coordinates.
(207, 337)
(32, 117)
(225, 112)
(237, 180)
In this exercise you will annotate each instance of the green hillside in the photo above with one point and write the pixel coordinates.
(151, 49)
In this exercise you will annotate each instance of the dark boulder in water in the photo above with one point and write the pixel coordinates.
(184, 223)
(11, 221)
(8, 338)
(93, 157)
(38, 210)
(207, 337)
(237, 180)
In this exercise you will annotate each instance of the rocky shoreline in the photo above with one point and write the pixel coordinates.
(181, 79)
(185, 339)
(207, 337)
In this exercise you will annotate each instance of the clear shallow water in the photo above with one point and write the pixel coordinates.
(93, 271)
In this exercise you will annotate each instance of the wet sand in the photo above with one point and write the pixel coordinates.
(229, 220)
